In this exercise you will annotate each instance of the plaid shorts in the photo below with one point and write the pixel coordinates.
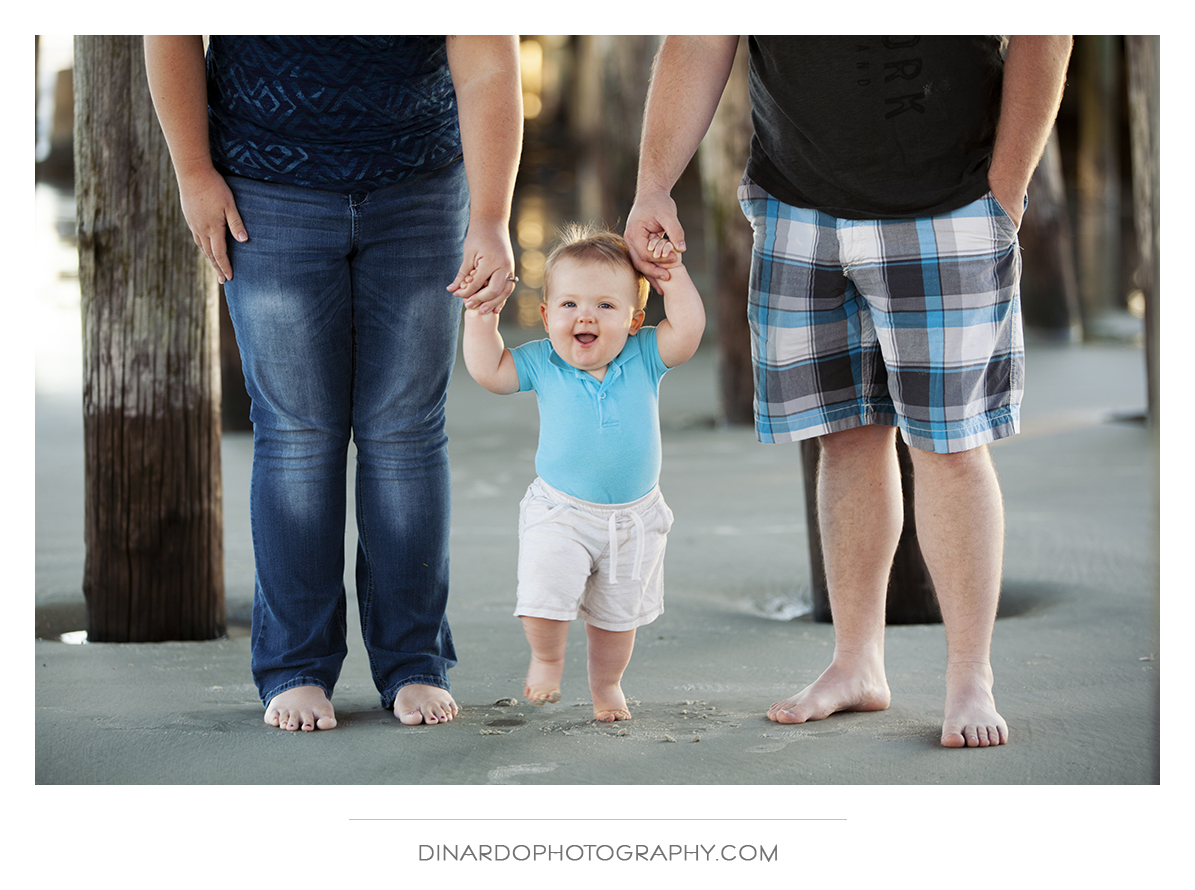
(913, 323)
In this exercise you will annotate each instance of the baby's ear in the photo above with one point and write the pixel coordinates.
(637, 320)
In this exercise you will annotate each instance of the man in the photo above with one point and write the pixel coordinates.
(886, 183)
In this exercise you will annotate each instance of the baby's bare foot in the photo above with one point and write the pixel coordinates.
(417, 703)
(610, 716)
(609, 704)
(541, 696)
(835, 690)
(971, 717)
(543, 681)
(303, 708)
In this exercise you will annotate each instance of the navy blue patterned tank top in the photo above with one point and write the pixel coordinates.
(336, 113)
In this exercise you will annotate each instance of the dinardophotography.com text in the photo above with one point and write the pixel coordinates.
(597, 853)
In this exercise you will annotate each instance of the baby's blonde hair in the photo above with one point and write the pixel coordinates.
(587, 242)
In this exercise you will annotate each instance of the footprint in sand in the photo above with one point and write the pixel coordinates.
(768, 748)
(505, 775)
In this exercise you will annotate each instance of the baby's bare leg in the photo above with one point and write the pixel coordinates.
(609, 655)
(304, 708)
(548, 639)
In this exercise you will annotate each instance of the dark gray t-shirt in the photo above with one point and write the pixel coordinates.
(874, 127)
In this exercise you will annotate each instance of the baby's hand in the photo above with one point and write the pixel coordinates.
(462, 283)
(662, 251)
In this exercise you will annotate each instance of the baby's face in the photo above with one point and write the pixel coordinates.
(590, 311)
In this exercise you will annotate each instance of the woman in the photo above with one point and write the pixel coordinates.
(356, 176)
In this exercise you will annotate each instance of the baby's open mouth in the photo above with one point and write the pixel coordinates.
(586, 338)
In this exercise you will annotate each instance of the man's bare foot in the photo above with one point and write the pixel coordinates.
(417, 703)
(971, 718)
(835, 690)
(543, 681)
(303, 708)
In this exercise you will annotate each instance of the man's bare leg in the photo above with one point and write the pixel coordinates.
(548, 639)
(303, 708)
(609, 655)
(418, 703)
(960, 527)
(861, 512)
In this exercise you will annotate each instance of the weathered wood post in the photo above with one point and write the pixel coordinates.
(723, 157)
(1099, 238)
(151, 397)
(1049, 282)
(607, 118)
(1144, 64)
(911, 595)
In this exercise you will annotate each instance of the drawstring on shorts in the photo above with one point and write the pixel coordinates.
(639, 533)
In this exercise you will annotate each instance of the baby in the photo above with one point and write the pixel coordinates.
(593, 525)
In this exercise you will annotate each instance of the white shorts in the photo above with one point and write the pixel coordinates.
(602, 561)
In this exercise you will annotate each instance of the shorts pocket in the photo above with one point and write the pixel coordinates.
(1001, 216)
(537, 510)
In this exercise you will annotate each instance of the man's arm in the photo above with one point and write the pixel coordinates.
(178, 85)
(485, 74)
(687, 81)
(1034, 75)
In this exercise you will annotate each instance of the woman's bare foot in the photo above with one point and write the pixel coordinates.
(837, 689)
(971, 718)
(303, 708)
(417, 703)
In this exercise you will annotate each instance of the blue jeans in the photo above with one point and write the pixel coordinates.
(347, 331)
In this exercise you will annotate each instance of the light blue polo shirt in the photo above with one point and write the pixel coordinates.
(598, 440)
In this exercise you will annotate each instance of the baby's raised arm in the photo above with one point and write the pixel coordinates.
(679, 334)
(488, 360)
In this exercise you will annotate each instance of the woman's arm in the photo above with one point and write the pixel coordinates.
(485, 74)
(178, 85)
